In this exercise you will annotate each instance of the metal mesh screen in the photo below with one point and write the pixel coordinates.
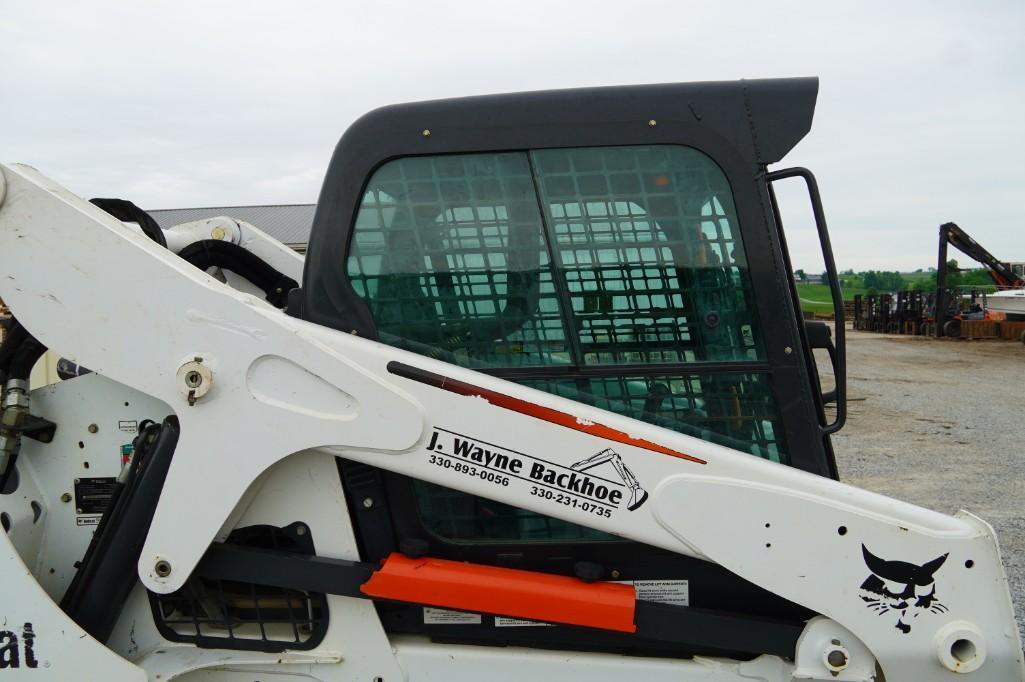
(449, 253)
(233, 615)
(644, 239)
(732, 409)
(452, 254)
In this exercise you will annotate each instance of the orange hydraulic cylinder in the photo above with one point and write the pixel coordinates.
(504, 592)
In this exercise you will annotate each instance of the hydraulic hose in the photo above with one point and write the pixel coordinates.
(209, 253)
(214, 253)
(25, 358)
(108, 572)
(127, 212)
(16, 336)
(17, 363)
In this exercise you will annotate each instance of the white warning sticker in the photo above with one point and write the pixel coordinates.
(503, 622)
(675, 592)
(434, 616)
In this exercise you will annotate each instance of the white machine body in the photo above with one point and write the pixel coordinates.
(276, 400)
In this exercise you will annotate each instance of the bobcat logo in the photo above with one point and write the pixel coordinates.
(901, 587)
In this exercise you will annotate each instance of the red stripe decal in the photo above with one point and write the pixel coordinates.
(533, 410)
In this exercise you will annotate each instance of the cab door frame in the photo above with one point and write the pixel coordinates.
(742, 126)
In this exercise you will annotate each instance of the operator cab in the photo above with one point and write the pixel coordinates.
(620, 247)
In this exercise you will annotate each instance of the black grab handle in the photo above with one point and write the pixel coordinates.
(839, 358)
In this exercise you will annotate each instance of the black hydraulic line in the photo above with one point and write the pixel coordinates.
(25, 358)
(209, 253)
(127, 212)
(18, 355)
(16, 336)
(716, 629)
(661, 622)
(286, 570)
(215, 253)
(109, 570)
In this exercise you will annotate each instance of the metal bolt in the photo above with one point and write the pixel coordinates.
(788, 350)
(93, 428)
(615, 573)
(837, 659)
(193, 379)
(368, 502)
(217, 233)
(300, 530)
(652, 123)
(162, 568)
(65, 498)
(426, 132)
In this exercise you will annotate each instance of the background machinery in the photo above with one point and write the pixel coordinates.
(948, 317)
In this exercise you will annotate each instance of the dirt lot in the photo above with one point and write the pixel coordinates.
(941, 423)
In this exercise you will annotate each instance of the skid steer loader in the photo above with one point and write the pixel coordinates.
(544, 407)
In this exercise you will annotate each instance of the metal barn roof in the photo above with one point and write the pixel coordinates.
(289, 223)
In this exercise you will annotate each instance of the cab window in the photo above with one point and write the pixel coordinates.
(610, 276)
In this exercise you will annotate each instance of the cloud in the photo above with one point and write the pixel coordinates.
(196, 103)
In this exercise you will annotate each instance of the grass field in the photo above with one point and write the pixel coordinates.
(816, 298)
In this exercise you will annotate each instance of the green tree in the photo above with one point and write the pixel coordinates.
(802, 275)
(883, 280)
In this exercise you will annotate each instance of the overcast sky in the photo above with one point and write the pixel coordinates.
(181, 104)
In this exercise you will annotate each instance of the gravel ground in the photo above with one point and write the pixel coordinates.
(941, 423)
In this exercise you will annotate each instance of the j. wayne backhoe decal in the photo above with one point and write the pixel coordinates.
(600, 483)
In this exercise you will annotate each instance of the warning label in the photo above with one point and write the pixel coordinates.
(433, 616)
(675, 592)
(503, 622)
(93, 494)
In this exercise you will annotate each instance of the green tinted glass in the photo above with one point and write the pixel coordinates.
(452, 255)
(449, 253)
(729, 408)
(644, 238)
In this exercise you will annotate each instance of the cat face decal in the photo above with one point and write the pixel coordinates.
(907, 589)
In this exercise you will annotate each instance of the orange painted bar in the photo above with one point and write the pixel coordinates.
(504, 592)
